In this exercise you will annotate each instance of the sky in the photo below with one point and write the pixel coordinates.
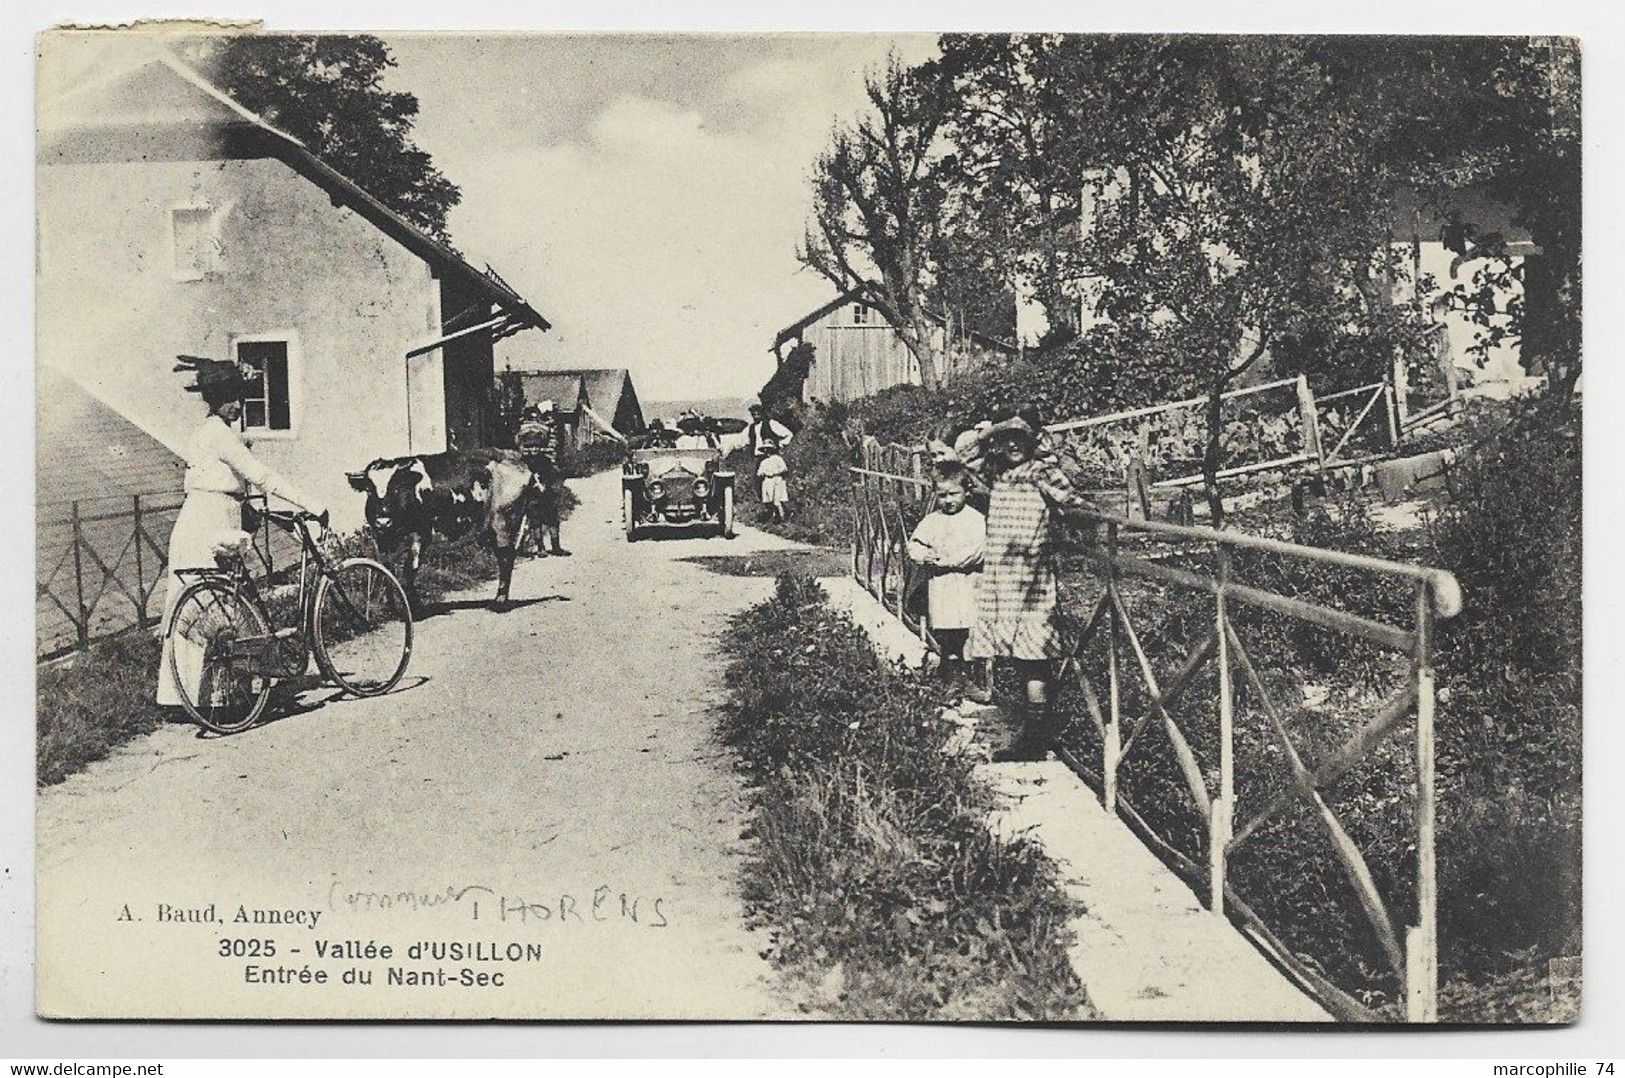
(645, 193)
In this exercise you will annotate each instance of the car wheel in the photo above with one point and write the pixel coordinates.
(629, 516)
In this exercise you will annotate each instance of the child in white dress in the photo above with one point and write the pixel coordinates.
(772, 471)
(949, 542)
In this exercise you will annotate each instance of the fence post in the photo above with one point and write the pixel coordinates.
(1223, 815)
(1401, 383)
(1422, 939)
(1111, 750)
(1393, 415)
(1309, 417)
(79, 581)
(140, 575)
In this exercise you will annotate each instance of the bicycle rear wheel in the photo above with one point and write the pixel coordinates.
(363, 628)
(216, 668)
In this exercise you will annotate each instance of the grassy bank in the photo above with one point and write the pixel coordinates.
(873, 869)
(88, 706)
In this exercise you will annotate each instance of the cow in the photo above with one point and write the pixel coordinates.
(411, 498)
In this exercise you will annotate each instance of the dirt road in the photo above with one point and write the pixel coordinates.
(537, 823)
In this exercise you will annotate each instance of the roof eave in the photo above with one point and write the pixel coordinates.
(345, 191)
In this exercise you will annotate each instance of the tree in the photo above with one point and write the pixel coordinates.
(1238, 212)
(328, 93)
(1502, 115)
(878, 206)
(1014, 189)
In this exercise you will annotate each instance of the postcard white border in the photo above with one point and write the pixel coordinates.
(1604, 71)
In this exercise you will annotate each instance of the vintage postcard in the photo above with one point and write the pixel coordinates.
(993, 527)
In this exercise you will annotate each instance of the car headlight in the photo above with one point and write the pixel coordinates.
(701, 488)
(657, 489)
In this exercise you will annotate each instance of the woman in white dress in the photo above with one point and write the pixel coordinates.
(219, 472)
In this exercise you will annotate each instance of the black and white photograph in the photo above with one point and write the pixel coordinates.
(1028, 528)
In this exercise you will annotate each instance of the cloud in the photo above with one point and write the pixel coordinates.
(641, 126)
(659, 233)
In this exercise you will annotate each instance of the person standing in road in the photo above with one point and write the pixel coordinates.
(948, 542)
(538, 441)
(762, 430)
(773, 475)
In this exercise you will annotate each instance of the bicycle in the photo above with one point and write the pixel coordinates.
(353, 618)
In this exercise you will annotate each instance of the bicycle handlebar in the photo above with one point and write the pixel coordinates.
(299, 516)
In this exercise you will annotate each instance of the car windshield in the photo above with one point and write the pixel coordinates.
(663, 460)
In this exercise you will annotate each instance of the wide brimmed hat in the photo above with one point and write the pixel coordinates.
(217, 379)
(690, 421)
(1014, 427)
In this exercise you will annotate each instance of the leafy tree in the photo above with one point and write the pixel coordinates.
(1014, 201)
(328, 92)
(878, 206)
(1501, 115)
(1236, 213)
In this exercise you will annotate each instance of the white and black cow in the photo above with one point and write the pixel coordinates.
(409, 499)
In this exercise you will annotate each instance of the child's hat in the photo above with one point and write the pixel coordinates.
(1014, 427)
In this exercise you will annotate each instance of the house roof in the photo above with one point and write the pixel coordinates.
(605, 385)
(84, 449)
(853, 295)
(795, 328)
(144, 98)
(564, 388)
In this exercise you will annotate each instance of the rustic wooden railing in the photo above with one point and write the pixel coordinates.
(890, 496)
(1112, 550)
(99, 563)
(1413, 957)
(1287, 424)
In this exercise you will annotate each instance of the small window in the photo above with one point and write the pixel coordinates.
(860, 314)
(268, 405)
(197, 249)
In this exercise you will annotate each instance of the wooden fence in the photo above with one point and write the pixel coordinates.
(890, 496)
(1268, 427)
(1111, 670)
(99, 564)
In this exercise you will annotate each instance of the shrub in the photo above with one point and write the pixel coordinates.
(595, 457)
(873, 867)
(1511, 663)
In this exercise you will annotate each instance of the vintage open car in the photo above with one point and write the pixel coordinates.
(678, 489)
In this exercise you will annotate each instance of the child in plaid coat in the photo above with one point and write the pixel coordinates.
(1017, 602)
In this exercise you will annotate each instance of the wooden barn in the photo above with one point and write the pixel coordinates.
(591, 400)
(857, 353)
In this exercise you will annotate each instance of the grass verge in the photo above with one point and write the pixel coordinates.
(873, 869)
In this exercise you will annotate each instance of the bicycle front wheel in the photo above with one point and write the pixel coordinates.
(362, 628)
(216, 647)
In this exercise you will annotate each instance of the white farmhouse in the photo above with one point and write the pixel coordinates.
(173, 221)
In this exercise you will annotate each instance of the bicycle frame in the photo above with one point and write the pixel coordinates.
(313, 564)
